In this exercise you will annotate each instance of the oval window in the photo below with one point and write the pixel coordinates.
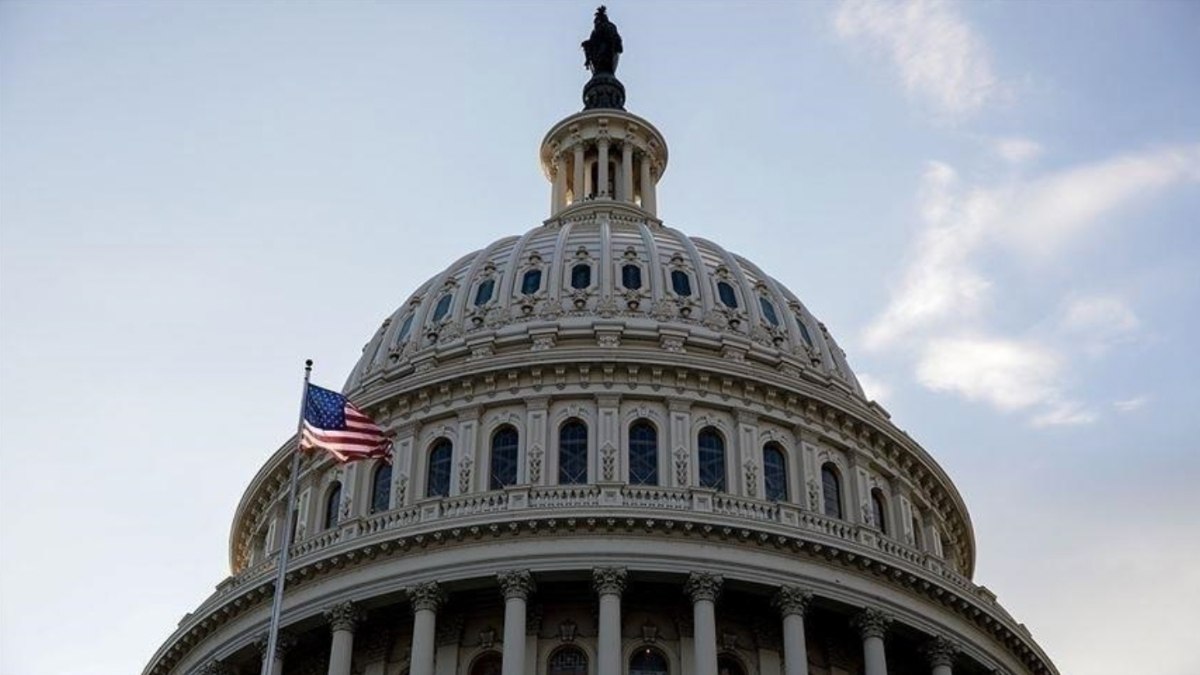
(531, 282)
(728, 297)
(443, 306)
(681, 283)
(404, 329)
(768, 311)
(631, 277)
(484, 292)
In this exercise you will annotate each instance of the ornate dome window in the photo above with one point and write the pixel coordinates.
(484, 292)
(437, 477)
(681, 283)
(711, 460)
(648, 661)
(581, 276)
(531, 282)
(774, 473)
(572, 453)
(727, 295)
(804, 334)
(381, 487)
(879, 510)
(405, 329)
(768, 311)
(568, 660)
(918, 538)
(443, 306)
(643, 453)
(504, 458)
(631, 277)
(333, 503)
(831, 490)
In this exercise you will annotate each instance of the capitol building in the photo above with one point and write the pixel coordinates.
(617, 450)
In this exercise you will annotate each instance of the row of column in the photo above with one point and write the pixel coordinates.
(702, 588)
(624, 190)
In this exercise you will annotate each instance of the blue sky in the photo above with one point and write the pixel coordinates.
(992, 205)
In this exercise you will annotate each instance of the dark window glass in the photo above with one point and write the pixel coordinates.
(774, 473)
(804, 331)
(681, 283)
(729, 665)
(631, 277)
(381, 488)
(443, 306)
(572, 453)
(440, 459)
(768, 311)
(918, 541)
(568, 661)
(504, 458)
(292, 529)
(880, 510)
(647, 661)
(831, 486)
(728, 297)
(487, 664)
(581, 276)
(711, 461)
(404, 329)
(531, 282)
(484, 292)
(643, 454)
(333, 503)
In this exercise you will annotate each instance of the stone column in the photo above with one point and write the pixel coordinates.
(703, 589)
(792, 602)
(558, 195)
(517, 586)
(426, 599)
(940, 652)
(602, 169)
(578, 170)
(647, 183)
(342, 619)
(627, 171)
(872, 625)
(284, 642)
(609, 583)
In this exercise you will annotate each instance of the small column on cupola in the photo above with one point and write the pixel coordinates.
(603, 156)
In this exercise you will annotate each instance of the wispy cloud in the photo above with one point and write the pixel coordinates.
(1099, 322)
(937, 55)
(1131, 404)
(1016, 150)
(1008, 374)
(874, 388)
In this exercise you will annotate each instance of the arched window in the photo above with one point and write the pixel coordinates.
(572, 453)
(728, 664)
(711, 462)
(648, 661)
(504, 458)
(831, 488)
(918, 537)
(531, 282)
(484, 292)
(681, 283)
(768, 311)
(728, 297)
(879, 510)
(443, 306)
(381, 488)
(643, 453)
(488, 663)
(631, 277)
(437, 482)
(333, 504)
(581, 276)
(804, 331)
(775, 473)
(568, 660)
(404, 329)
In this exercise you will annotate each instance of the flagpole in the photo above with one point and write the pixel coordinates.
(281, 572)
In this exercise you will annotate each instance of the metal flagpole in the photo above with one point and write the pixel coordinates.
(281, 573)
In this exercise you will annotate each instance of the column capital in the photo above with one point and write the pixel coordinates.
(428, 595)
(283, 643)
(703, 586)
(872, 622)
(792, 600)
(609, 580)
(343, 616)
(940, 651)
(516, 584)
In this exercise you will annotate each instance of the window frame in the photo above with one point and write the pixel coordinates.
(704, 464)
(769, 448)
(437, 445)
(576, 445)
(495, 459)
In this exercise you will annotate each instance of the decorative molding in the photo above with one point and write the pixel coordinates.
(609, 580)
(516, 584)
(535, 463)
(703, 586)
(608, 462)
(464, 474)
(567, 631)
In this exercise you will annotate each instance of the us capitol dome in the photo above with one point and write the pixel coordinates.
(617, 450)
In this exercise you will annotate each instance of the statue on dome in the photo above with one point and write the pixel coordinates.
(603, 48)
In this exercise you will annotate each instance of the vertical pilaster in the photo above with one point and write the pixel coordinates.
(607, 464)
(746, 469)
(469, 472)
(517, 586)
(872, 626)
(578, 190)
(609, 583)
(537, 441)
(649, 190)
(404, 466)
(792, 602)
(426, 599)
(703, 588)
(677, 470)
(558, 196)
(602, 169)
(342, 620)
(627, 171)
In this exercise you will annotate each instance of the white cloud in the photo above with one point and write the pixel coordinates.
(1131, 404)
(874, 388)
(1017, 150)
(1064, 414)
(936, 53)
(1099, 323)
(1008, 374)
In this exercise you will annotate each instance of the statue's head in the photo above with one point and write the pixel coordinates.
(601, 14)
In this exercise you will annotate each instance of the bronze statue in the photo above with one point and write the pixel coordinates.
(603, 48)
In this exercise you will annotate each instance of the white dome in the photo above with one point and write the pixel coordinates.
(604, 279)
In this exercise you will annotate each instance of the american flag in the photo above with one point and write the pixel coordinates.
(333, 424)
